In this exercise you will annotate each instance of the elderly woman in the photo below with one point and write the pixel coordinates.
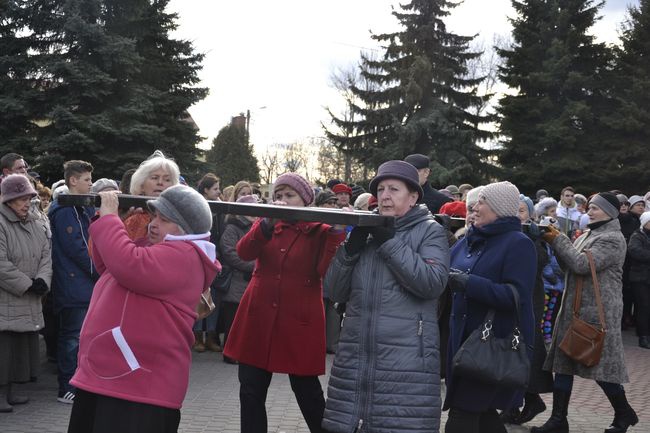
(155, 174)
(494, 258)
(280, 326)
(607, 245)
(385, 375)
(128, 381)
(25, 276)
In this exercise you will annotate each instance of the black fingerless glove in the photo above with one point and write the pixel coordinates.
(356, 241)
(38, 287)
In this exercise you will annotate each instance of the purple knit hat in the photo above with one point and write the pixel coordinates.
(299, 184)
(396, 169)
(15, 186)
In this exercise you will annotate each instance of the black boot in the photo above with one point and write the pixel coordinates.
(644, 341)
(5, 407)
(534, 406)
(624, 415)
(13, 398)
(558, 422)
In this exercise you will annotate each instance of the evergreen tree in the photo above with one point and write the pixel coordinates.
(629, 114)
(109, 85)
(419, 99)
(232, 156)
(553, 129)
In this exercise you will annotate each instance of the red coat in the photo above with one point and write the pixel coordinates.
(280, 323)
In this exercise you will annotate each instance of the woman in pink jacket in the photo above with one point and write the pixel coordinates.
(127, 380)
(280, 322)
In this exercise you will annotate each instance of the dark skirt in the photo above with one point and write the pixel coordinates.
(94, 413)
(19, 356)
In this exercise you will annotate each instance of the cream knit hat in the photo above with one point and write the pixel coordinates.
(502, 197)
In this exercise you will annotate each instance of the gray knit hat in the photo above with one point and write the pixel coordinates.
(184, 206)
(104, 184)
(634, 199)
(502, 197)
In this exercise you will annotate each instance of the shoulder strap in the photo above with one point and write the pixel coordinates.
(599, 303)
(578, 298)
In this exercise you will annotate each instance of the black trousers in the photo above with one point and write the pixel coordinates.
(461, 421)
(254, 385)
(94, 413)
(228, 312)
(642, 307)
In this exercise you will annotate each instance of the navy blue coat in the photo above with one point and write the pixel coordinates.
(496, 255)
(73, 272)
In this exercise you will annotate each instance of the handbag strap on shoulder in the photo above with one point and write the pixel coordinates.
(579, 283)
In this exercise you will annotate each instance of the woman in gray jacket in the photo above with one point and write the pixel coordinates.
(385, 376)
(607, 245)
(25, 276)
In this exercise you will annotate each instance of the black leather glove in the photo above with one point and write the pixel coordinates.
(458, 281)
(382, 234)
(357, 240)
(38, 287)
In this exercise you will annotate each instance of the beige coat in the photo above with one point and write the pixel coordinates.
(24, 255)
(608, 248)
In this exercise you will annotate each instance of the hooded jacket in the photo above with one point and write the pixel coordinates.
(74, 274)
(386, 374)
(143, 291)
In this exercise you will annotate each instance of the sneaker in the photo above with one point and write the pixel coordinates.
(67, 398)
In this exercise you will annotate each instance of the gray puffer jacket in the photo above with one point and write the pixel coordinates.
(24, 256)
(386, 374)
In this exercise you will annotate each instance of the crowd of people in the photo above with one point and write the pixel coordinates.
(394, 304)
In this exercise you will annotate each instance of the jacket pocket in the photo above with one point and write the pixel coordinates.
(111, 357)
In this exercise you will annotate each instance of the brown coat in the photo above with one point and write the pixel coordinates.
(608, 247)
(24, 255)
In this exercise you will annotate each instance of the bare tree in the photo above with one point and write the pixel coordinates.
(270, 163)
(487, 66)
(295, 158)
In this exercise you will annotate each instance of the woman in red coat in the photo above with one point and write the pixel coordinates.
(280, 324)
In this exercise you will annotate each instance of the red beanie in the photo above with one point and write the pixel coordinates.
(454, 209)
(341, 187)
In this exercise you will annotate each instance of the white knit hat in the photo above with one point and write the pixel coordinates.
(502, 197)
(645, 218)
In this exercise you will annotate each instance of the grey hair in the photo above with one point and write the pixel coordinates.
(151, 164)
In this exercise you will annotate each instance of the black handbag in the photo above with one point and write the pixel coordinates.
(222, 282)
(494, 361)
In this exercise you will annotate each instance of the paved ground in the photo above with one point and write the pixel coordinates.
(212, 405)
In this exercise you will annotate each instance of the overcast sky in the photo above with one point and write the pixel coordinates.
(275, 58)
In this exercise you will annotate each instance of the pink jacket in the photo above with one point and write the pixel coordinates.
(135, 341)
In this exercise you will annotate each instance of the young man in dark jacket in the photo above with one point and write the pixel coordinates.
(74, 276)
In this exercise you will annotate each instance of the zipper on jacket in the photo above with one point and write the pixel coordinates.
(420, 334)
(359, 425)
(342, 320)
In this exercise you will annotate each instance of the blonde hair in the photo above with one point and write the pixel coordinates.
(228, 192)
(155, 162)
(238, 187)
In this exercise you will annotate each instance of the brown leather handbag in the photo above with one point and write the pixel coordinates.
(583, 342)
